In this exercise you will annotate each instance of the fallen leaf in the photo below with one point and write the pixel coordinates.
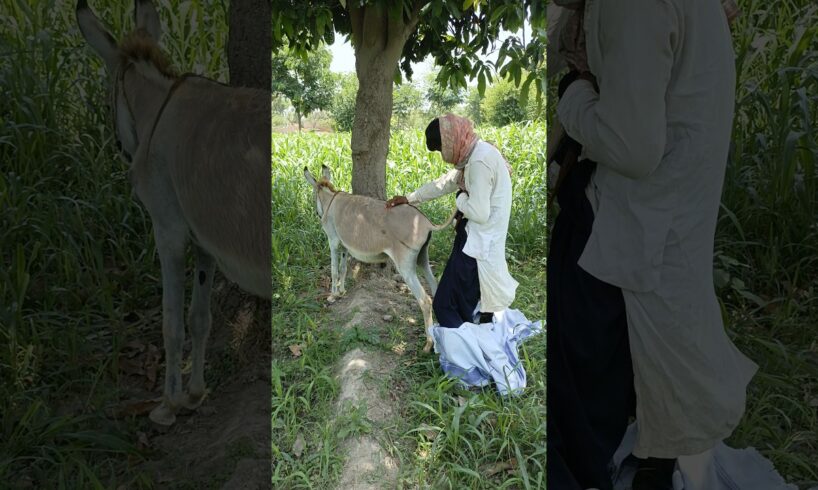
(494, 468)
(135, 408)
(299, 445)
(296, 350)
(131, 366)
(135, 347)
(142, 441)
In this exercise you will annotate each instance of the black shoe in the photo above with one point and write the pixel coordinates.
(486, 317)
(654, 474)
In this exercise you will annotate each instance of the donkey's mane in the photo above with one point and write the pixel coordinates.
(139, 46)
(322, 182)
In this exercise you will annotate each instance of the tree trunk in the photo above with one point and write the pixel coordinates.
(298, 116)
(249, 43)
(378, 41)
(370, 128)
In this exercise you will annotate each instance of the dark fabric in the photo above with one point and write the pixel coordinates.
(433, 139)
(590, 394)
(459, 289)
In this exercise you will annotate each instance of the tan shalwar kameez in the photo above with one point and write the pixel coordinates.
(659, 129)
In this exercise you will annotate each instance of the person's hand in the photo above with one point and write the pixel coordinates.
(586, 75)
(397, 200)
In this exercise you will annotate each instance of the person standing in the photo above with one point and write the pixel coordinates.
(634, 324)
(476, 271)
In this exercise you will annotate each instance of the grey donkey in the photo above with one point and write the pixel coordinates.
(200, 164)
(364, 228)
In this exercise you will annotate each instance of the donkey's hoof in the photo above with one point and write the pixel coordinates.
(192, 401)
(162, 415)
(428, 347)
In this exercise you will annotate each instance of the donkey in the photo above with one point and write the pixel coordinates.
(200, 164)
(364, 228)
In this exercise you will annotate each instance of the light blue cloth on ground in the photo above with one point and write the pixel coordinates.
(732, 469)
(480, 354)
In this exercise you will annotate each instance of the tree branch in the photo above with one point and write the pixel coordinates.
(415, 18)
(356, 21)
(373, 26)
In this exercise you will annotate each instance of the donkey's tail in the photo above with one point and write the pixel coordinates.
(447, 222)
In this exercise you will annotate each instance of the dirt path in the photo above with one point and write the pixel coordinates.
(226, 442)
(380, 306)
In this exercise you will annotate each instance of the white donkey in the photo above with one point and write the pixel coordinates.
(367, 230)
(200, 164)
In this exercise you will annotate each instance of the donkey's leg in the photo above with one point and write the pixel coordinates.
(407, 267)
(423, 263)
(333, 252)
(199, 321)
(343, 257)
(170, 243)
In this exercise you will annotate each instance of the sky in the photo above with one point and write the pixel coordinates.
(343, 57)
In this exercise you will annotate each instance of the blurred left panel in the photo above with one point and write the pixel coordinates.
(135, 244)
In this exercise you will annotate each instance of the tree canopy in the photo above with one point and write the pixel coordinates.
(389, 35)
(455, 34)
(304, 79)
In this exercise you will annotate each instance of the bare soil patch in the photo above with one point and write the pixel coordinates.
(226, 442)
(382, 307)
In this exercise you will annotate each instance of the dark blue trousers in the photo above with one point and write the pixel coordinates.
(459, 289)
(590, 394)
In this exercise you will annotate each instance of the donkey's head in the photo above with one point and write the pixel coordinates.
(321, 188)
(139, 49)
(147, 27)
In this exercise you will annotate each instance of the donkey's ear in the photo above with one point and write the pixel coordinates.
(326, 173)
(96, 36)
(146, 17)
(309, 177)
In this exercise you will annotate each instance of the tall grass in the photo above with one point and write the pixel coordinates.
(767, 238)
(77, 251)
(471, 431)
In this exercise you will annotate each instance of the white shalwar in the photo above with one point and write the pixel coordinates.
(659, 129)
(487, 206)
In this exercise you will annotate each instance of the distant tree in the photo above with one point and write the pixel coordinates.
(441, 98)
(406, 100)
(473, 108)
(304, 79)
(502, 106)
(343, 106)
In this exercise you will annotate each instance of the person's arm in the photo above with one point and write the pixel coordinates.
(446, 184)
(476, 205)
(624, 125)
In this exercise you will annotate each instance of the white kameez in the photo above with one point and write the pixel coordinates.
(660, 129)
(487, 206)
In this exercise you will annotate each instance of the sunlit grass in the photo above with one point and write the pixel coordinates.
(472, 431)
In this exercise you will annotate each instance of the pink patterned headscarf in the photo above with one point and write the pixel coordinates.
(457, 139)
(457, 142)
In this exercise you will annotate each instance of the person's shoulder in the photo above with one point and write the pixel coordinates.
(486, 154)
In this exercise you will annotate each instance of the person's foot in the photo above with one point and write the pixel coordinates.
(654, 474)
(486, 317)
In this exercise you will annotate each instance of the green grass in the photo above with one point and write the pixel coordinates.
(472, 430)
(767, 239)
(77, 250)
